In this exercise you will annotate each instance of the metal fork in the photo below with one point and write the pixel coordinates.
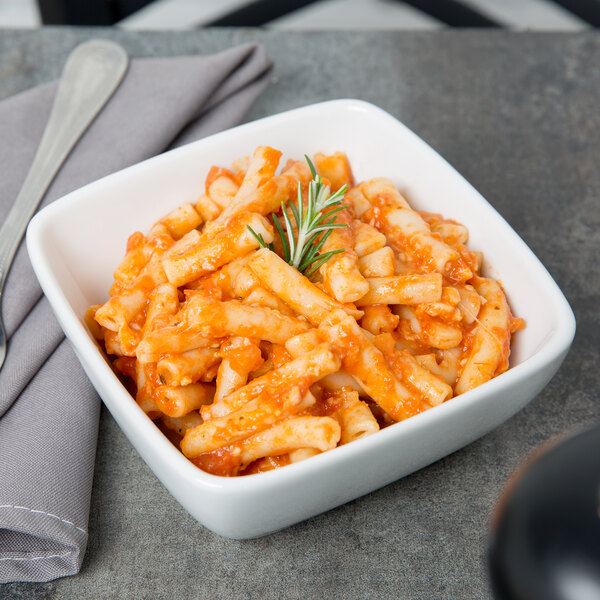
(91, 74)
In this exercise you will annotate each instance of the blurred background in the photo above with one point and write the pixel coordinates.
(549, 15)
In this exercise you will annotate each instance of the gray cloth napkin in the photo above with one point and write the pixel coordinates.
(48, 409)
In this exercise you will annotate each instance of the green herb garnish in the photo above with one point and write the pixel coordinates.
(314, 224)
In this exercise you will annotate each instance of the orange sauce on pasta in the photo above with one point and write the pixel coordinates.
(152, 375)
(504, 336)
(215, 173)
(208, 315)
(134, 241)
(279, 355)
(125, 365)
(244, 356)
(468, 258)
(468, 340)
(417, 255)
(207, 286)
(222, 462)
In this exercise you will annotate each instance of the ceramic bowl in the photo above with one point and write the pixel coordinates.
(76, 242)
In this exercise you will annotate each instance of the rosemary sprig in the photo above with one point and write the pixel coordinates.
(314, 224)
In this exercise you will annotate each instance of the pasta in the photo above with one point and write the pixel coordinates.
(249, 361)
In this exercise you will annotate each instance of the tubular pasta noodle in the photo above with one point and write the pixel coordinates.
(444, 365)
(90, 320)
(416, 325)
(185, 243)
(204, 321)
(336, 169)
(240, 357)
(354, 416)
(302, 454)
(213, 251)
(137, 255)
(112, 343)
(469, 304)
(489, 343)
(406, 229)
(245, 282)
(303, 342)
(219, 319)
(242, 354)
(367, 239)
(248, 287)
(451, 233)
(403, 289)
(356, 199)
(261, 168)
(261, 297)
(139, 251)
(179, 401)
(293, 288)
(182, 220)
(411, 373)
(145, 389)
(248, 364)
(173, 339)
(220, 283)
(277, 354)
(357, 421)
(267, 198)
(341, 379)
(119, 310)
(378, 319)
(299, 373)
(123, 306)
(362, 360)
(162, 305)
(293, 433)
(181, 424)
(207, 208)
(228, 380)
(342, 278)
(188, 367)
(221, 186)
(379, 263)
(442, 310)
(303, 436)
(256, 415)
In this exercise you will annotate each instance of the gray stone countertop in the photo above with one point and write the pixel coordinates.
(517, 115)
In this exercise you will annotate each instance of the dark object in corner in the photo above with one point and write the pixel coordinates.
(546, 535)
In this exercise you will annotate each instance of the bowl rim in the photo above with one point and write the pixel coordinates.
(555, 345)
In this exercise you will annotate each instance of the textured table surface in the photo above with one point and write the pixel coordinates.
(517, 115)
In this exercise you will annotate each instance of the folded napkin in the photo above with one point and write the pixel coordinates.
(48, 409)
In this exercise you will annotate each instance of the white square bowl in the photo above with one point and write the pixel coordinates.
(76, 242)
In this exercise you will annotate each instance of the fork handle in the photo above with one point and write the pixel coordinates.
(91, 75)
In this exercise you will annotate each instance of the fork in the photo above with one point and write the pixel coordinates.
(91, 74)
